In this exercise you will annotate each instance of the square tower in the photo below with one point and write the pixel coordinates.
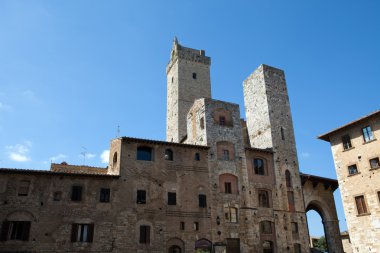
(188, 78)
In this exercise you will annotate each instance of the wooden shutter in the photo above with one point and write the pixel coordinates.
(90, 232)
(4, 230)
(25, 230)
(147, 234)
(142, 234)
(74, 232)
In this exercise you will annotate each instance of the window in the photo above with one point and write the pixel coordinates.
(169, 155)
(144, 154)
(346, 140)
(141, 197)
(374, 163)
(258, 165)
(202, 200)
(268, 247)
(104, 195)
(23, 189)
(263, 198)
(57, 196)
(194, 75)
(202, 123)
(360, 205)
(367, 134)
(266, 227)
(182, 225)
(352, 169)
(82, 232)
(230, 214)
(172, 198)
(288, 178)
(114, 160)
(222, 120)
(378, 195)
(76, 193)
(282, 134)
(144, 234)
(297, 248)
(294, 228)
(196, 226)
(226, 155)
(227, 187)
(15, 230)
(197, 157)
(291, 201)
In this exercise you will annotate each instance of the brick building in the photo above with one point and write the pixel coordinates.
(217, 184)
(356, 152)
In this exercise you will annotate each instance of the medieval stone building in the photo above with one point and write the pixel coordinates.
(217, 184)
(356, 153)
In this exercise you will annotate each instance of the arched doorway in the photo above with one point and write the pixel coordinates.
(203, 246)
(175, 245)
(175, 249)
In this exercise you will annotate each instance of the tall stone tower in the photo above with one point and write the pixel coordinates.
(188, 78)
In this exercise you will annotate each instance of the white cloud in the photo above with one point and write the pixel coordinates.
(104, 157)
(305, 155)
(19, 152)
(57, 157)
(90, 156)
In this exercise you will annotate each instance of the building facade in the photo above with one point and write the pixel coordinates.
(356, 153)
(217, 184)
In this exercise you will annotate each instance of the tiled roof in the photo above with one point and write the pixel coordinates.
(48, 172)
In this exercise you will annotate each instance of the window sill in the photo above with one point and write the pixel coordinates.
(363, 214)
(366, 142)
(348, 149)
(351, 175)
(376, 168)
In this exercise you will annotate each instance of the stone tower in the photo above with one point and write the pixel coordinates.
(188, 78)
(270, 126)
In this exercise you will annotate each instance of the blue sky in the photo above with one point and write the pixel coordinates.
(72, 71)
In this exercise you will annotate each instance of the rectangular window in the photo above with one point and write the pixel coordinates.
(378, 195)
(294, 228)
(76, 193)
(141, 197)
(346, 140)
(230, 214)
(197, 157)
(15, 230)
(23, 189)
(196, 226)
(367, 134)
(222, 120)
(172, 198)
(266, 227)
(227, 187)
(226, 155)
(258, 165)
(374, 163)
(182, 225)
(291, 201)
(360, 205)
(263, 198)
(82, 232)
(104, 195)
(352, 169)
(144, 234)
(297, 248)
(202, 200)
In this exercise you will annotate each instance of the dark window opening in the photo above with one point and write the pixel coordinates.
(268, 247)
(282, 133)
(144, 154)
(367, 134)
(182, 225)
(82, 232)
(202, 200)
(230, 214)
(202, 123)
(57, 196)
(76, 193)
(194, 75)
(361, 205)
(258, 165)
(352, 169)
(144, 234)
(226, 155)
(23, 189)
(15, 230)
(266, 227)
(197, 157)
(196, 226)
(375, 163)
(141, 197)
(291, 201)
(172, 198)
(222, 120)
(346, 140)
(288, 178)
(169, 155)
(227, 187)
(114, 160)
(263, 198)
(297, 248)
(104, 195)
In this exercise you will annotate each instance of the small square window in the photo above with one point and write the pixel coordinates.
(375, 163)
(197, 157)
(172, 198)
(194, 75)
(346, 140)
(141, 197)
(367, 134)
(222, 120)
(361, 205)
(104, 195)
(57, 196)
(352, 169)
(76, 193)
(227, 187)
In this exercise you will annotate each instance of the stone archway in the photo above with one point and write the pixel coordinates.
(318, 195)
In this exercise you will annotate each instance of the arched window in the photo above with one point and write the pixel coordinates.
(266, 227)
(264, 198)
(169, 155)
(259, 166)
(144, 153)
(288, 178)
(114, 160)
